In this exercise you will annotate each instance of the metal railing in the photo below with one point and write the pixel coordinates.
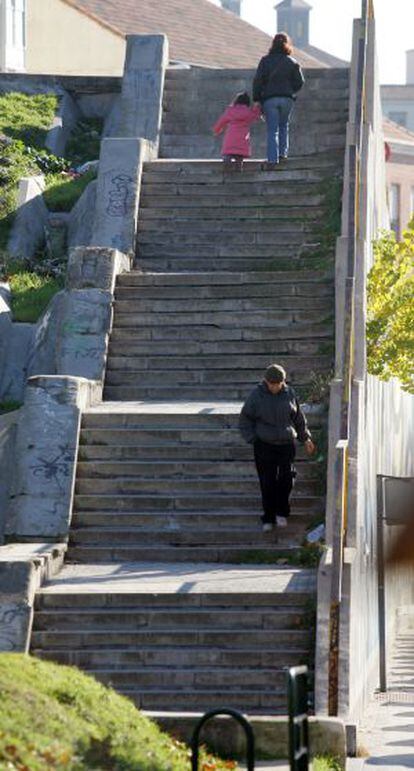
(351, 215)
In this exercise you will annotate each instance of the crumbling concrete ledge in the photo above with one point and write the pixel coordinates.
(23, 569)
(46, 449)
(327, 736)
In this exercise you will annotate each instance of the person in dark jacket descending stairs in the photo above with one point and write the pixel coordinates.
(271, 420)
(277, 81)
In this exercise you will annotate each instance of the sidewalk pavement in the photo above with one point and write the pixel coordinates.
(387, 730)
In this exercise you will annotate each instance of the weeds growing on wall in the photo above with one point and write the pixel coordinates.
(390, 327)
(32, 283)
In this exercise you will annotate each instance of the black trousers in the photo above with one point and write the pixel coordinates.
(274, 464)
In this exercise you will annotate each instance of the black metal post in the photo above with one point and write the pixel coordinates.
(248, 730)
(298, 719)
(382, 629)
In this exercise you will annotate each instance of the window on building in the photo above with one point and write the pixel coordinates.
(399, 117)
(412, 202)
(300, 30)
(14, 21)
(395, 208)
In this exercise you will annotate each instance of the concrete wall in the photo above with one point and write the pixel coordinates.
(380, 432)
(61, 39)
(7, 438)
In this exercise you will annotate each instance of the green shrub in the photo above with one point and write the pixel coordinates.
(62, 192)
(390, 327)
(55, 717)
(31, 294)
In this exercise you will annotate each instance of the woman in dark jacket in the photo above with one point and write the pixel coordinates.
(277, 81)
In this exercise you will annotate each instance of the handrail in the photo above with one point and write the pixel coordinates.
(344, 378)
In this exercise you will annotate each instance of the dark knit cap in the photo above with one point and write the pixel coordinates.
(275, 374)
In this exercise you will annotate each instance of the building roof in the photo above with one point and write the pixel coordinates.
(326, 60)
(198, 31)
(397, 91)
(397, 134)
(294, 4)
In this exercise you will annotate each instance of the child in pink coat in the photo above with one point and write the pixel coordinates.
(236, 122)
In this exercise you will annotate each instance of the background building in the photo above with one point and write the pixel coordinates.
(400, 175)
(12, 35)
(398, 100)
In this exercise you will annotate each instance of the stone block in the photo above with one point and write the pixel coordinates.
(139, 112)
(326, 735)
(64, 121)
(119, 181)
(95, 267)
(45, 457)
(71, 338)
(31, 217)
(23, 568)
(80, 219)
(7, 438)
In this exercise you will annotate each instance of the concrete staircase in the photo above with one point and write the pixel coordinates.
(171, 592)
(178, 485)
(193, 100)
(182, 652)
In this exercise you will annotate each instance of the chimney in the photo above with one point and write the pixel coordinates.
(410, 67)
(232, 5)
(293, 18)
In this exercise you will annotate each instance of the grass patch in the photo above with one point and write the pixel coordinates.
(85, 141)
(307, 556)
(62, 192)
(9, 406)
(327, 764)
(31, 294)
(55, 717)
(27, 118)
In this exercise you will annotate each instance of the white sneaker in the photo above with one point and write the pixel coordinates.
(267, 527)
(281, 521)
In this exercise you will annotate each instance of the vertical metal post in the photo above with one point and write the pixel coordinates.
(298, 719)
(382, 629)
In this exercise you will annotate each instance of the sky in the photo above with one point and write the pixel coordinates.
(331, 29)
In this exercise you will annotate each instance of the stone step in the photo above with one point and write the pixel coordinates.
(203, 146)
(115, 535)
(255, 554)
(201, 226)
(206, 369)
(213, 282)
(209, 417)
(201, 263)
(207, 336)
(248, 601)
(185, 502)
(233, 520)
(174, 486)
(287, 253)
(252, 170)
(245, 700)
(285, 300)
(101, 445)
(231, 217)
(111, 639)
(185, 77)
(317, 162)
(275, 658)
(170, 470)
(255, 318)
(178, 238)
(270, 348)
(232, 193)
(131, 619)
(208, 678)
(188, 393)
